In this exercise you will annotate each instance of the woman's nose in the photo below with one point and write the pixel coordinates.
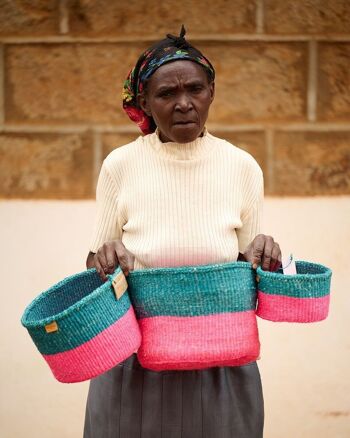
(183, 103)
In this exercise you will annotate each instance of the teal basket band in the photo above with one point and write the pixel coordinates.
(193, 290)
(311, 281)
(81, 304)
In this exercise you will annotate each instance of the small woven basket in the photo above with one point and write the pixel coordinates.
(82, 326)
(303, 297)
(194, 317)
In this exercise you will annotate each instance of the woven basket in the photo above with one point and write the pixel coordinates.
(303, 297)
(82, 326)
(194, 317)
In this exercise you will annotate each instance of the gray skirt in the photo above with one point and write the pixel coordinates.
(130, 401)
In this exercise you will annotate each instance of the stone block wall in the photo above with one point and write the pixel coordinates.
(282, 89)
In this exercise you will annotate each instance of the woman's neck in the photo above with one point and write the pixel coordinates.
(164, 139)
(193, 150)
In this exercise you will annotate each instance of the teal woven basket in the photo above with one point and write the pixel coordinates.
(194, 317)
(303, 297)
(82, 326)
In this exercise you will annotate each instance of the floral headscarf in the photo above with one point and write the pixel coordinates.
(169, 49)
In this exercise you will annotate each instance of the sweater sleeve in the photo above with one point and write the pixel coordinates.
(108, 225)
(251, 216)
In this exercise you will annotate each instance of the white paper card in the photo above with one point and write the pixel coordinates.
(288, 265)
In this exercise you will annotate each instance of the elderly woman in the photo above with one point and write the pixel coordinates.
(176, 196)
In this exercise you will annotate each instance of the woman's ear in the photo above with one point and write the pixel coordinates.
(143, 103)
(212, 91)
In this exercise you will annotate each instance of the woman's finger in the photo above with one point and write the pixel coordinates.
(267, 255)
(275, 257)
(131, 261)
(124, 258)
(101, 255)
(111, 256)
(99, 268)
(258, 245)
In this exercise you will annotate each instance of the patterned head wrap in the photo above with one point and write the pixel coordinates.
(171, 48)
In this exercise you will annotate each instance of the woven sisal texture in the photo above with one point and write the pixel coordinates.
(303, 297)
(76, 323)
(194, 317)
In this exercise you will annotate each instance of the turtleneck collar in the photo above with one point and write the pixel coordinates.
(198, 148)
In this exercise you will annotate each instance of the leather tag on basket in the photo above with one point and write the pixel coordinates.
(120, 285)
(52, 327)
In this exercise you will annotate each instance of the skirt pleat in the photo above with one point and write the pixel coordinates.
(192, 420)
(171, 415)
(151, 407)
(130, 401)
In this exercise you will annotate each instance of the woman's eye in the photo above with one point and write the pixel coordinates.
(197, 89)
(166, 93)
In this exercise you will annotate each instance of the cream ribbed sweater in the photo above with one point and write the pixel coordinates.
(176, 204)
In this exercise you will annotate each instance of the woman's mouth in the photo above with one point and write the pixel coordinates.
(184, 123)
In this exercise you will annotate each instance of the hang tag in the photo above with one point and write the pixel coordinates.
(288, 266)
(120, 285)
(52, 327)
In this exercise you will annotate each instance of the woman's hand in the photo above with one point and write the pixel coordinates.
(110, 255)
(264, 251)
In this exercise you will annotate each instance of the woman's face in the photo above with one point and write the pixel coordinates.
(178, 97)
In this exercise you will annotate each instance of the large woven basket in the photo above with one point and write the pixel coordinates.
(82, 326)
(303, 297)
(194, 317)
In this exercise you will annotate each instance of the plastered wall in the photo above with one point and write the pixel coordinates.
(282, 88)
